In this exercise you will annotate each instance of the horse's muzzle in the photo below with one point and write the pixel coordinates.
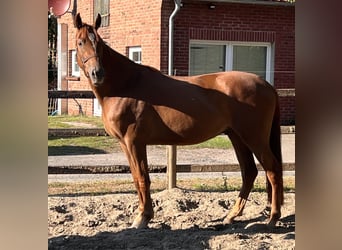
(97, 76)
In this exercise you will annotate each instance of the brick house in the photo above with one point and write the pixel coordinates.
(208, 36)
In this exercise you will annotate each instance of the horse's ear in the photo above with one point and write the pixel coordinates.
(78, 21)
(98, 21)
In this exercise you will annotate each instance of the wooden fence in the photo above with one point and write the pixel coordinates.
(88, 94)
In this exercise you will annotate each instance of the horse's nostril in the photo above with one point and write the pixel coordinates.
(97, 73)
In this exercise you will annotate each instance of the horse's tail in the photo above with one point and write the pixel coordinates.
(275, 144)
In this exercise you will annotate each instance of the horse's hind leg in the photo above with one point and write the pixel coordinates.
(248, 173)
(274, 175)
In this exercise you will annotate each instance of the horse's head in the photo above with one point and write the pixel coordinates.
(89, 50)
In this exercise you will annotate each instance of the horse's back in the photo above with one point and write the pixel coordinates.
(247, 100)
(230, 82)
(241, 88)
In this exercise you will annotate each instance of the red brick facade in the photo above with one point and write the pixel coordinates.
(145, 24)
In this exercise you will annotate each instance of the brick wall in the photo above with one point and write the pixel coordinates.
(135, 23)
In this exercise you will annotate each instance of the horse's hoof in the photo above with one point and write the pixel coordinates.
(138, 225)
(272, 222)
(140, 222)
(274, 218)
(228, 220)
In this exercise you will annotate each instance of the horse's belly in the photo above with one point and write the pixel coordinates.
(181, 128)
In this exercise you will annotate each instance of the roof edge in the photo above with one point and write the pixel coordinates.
(259, 2)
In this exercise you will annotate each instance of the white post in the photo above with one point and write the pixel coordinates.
(62, 60)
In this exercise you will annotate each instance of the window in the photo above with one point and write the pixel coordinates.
(75, 69)
(134, 53)
(251, 59)
(102, 7)
(208, 57)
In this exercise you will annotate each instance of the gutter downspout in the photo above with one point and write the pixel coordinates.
(171, 150)
(178, 4)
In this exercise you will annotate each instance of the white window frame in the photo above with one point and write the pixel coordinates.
(74, 65)
(229, 54)
(132, 50)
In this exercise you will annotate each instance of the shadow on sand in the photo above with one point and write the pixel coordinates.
(73, 150)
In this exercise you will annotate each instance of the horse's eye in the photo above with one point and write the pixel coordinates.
(80, 43)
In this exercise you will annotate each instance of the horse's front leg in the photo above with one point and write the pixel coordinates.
(137, 158)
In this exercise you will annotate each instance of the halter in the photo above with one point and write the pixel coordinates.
(89, 57)
(84, 61)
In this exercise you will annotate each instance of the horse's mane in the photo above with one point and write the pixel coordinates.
(111, 51)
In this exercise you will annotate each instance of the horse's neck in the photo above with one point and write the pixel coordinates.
(117, 65)
(118, 71)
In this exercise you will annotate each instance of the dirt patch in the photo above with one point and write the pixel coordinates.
(183, 220)
(81, 124)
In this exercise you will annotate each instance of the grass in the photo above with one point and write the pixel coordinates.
(101, 144)
(234, 184)
(219, 142)
(127, 186)
(108, 144)
(89, 188)
(82, 145)
(65, 121)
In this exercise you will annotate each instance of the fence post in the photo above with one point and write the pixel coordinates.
(62, 56)
(171, 165)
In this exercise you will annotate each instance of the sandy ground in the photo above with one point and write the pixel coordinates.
(183, 220)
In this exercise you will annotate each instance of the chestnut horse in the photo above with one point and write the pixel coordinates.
(141, 106)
